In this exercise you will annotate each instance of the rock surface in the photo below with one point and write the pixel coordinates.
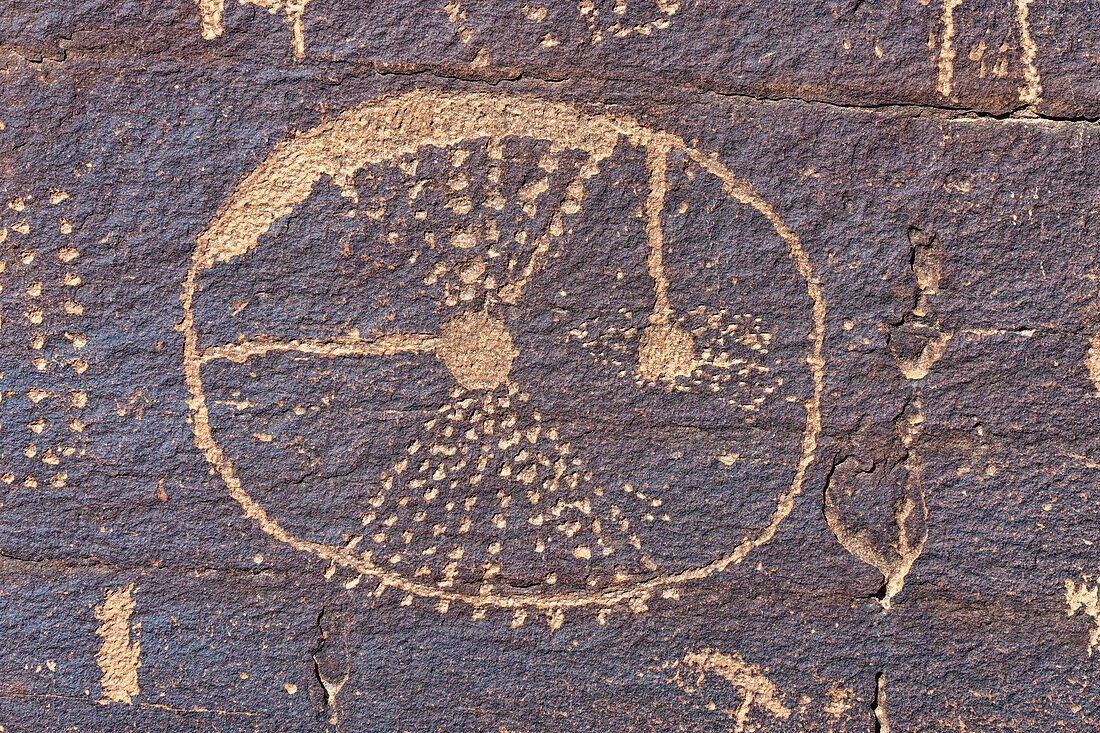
(549, 366)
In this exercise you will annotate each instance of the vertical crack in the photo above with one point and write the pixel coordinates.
(859, 483)
(331, 660)
(882, 720)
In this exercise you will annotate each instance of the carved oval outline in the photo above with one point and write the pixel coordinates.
(387, 129)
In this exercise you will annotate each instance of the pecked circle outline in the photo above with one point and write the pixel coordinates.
(393, 126)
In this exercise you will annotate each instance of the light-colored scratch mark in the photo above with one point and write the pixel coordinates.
(387, 345)
(1032, 90)
(893, 565)
(332, 689)
(1022, 332)
(908, 550)
(555, 228)
(657, 161)
(927, 267)
(118, 655)
(1084, 597)
(909, 544)
(1092, 362)
(665, 350)
(210, 13)
(394, 127)
(475, 347)
(757, 689)
(947, 48)
(911, 512)
(919, 365)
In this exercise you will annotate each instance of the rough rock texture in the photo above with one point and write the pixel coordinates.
(549, 366)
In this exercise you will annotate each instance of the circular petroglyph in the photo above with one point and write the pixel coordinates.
(665, 350)
(494, 350)
(477, 350)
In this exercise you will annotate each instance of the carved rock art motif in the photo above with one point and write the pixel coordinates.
(725, 691)
(756, 690)
(45, 389)
(475, 432)
(618, 19)
(1030, 89)
(891, 552)
(916, 342)
(1086, 598)
(119, 654)
(210, 17)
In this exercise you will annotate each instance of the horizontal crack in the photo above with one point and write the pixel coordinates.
(511, 75)
(10, 562)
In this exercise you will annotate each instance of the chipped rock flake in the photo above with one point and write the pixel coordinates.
(1092, 362)
(1080, 597)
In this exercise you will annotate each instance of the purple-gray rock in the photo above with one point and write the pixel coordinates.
(549, 367)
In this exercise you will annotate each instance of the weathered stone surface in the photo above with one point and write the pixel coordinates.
(491, 367)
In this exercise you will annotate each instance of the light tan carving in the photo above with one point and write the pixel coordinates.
(947, 49)
(1032, 89)
(882, 718)
(666, 351)
(1092, 362)
(755, 688)
(910, 514)
(387, 345)
(210, 16)
(477, 350)
(1030, 92)
(293, 10)
(56, 344)
(1085, 597)
(911, 511)
(119, 653)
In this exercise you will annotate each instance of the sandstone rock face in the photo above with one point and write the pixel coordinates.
(549, 367)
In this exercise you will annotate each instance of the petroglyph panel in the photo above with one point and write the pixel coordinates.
(549, 366)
